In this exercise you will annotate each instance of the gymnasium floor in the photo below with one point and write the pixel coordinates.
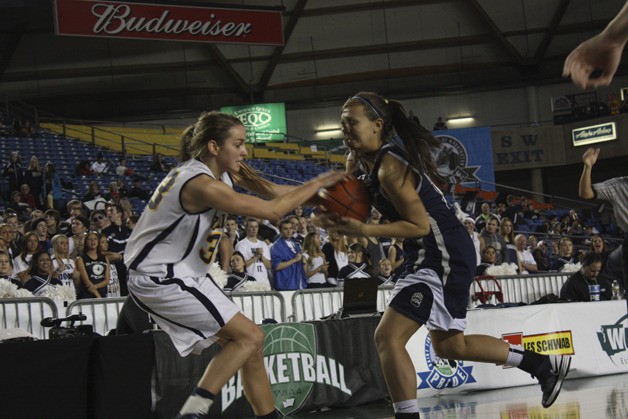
(584, 398)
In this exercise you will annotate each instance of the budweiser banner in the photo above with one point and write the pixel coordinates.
(167, 22)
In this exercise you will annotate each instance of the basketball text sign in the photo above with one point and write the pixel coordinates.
(168, 22)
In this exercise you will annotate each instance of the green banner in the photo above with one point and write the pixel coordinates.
(264, 122)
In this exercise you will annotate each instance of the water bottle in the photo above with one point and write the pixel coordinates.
(616, 291)
(594, 292)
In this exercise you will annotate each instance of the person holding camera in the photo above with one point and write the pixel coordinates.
(40, 273)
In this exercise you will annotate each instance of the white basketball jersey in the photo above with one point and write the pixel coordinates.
(167, 240)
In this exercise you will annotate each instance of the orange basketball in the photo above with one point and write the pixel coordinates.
(347, 198)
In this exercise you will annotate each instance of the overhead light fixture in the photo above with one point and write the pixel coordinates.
(327, 130)
(461, 120)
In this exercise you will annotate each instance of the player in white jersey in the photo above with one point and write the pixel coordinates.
(175, 240)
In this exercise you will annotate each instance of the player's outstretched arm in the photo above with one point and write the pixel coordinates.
(602, 52)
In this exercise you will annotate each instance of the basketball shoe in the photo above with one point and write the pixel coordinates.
(555, 369)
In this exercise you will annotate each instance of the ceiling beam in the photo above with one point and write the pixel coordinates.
(278, 51)
(495, 32)
(365, 7)
(219, 57)
(551, 31)
(11, 43)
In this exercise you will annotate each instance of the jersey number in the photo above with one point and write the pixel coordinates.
(207, 253)
(162, 189)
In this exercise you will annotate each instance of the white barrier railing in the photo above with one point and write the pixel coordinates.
(308, 304)
(314, 304)
(258, 306)
(27, 314)
(102, 313)
(521, 288)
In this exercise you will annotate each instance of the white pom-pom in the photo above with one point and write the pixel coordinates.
(60, 293)
(23, 293)
(255, 286)
(571, 267)
(503, 269)
(218, 275)
(7, 289)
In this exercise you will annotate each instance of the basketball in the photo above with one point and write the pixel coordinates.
(347, 198)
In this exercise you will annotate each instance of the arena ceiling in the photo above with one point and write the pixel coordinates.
(333, 48)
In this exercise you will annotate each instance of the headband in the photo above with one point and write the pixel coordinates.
(367, 102)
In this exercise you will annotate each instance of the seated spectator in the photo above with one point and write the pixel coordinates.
(53, 185)
(53, 223)
(80, 226)
(6, 270)
(63, 265)
(83, 168)
(122, 169)
(40, 228)
(489, 257)
(22, 209)
(335, 251)
(34, 177)
(99, 220)
(93, 192)
(530, 213)
(131, 221)
(565, 254)
(598, 245)
(359, 264)
(27, 197)
(237, 277)
(491, 236)
(525, 260)
(256, 253)
(540, 256)
(114, 286)
(99, 166)
(314, 261)
(286, 259)
(507, 232)
(122, 188)
(440, 124)
(385, 276)
(482, 219)
(93, 268)
(533, 241)
(577, 286)
(113, 195)
(159, 164)
(478, 241)
(38, 276)
(14, 172)
(137, 191)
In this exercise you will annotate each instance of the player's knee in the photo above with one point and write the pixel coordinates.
(257, 339)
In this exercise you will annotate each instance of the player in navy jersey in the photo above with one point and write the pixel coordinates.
(175, 240)
(394, 155)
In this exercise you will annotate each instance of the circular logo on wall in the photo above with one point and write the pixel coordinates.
(452, 161)
(443, 373)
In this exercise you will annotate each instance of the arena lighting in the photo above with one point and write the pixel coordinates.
(461, 119)
(327, 130)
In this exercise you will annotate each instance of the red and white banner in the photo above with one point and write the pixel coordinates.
(167, 22)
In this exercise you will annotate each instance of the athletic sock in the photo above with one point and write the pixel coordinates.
(199, 402)
(272, 415)
(525, 360)
(406, 409)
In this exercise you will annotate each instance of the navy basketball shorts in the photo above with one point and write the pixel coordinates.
(422, 297)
